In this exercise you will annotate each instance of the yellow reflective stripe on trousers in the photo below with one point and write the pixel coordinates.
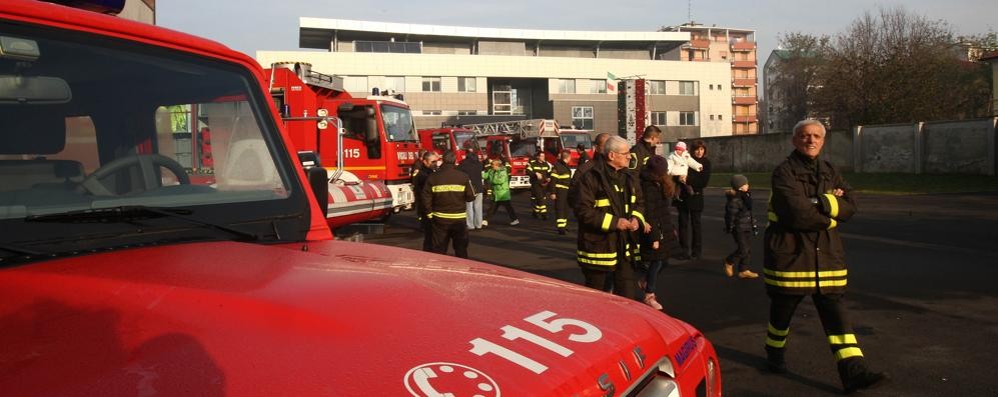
(448, 188)
(607, 218)
(449, 215)
(806, 284)
(602, 203)
(822, 274)
(848, 352)
(842, 339)
(777, 332)
(561, 176)
(775, 343)
(833, 204)
(560, 186)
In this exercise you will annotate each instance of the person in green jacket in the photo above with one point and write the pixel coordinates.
(497, 177)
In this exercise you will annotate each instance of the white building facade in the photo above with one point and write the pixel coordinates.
(454, 75)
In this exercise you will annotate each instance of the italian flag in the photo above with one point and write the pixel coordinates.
(611, 83)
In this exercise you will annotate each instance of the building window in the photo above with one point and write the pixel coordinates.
(467, 112)
(658, 118)
(398, 47)
(396, 83)
(687, 88)
(711, 87)
(582, 117)
(566, 86)
(597, 86)
(432, 112)
(431, 84)
(712, 117)
(720, 117)
(688, 118)
(467, 84)
(656, 87)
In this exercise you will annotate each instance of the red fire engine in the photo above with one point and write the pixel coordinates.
(517, 142)
(121, 275)
(450, 138)
(379, 141)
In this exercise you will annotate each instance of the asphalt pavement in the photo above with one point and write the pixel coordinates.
(922, 293)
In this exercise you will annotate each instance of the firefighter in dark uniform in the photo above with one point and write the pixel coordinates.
(804, 254)
(420, 172)
(609, 214)
(561, 175)
(539, 171)
(645, 148)
(444, 198)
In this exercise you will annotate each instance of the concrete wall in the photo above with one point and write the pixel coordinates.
(950, 147)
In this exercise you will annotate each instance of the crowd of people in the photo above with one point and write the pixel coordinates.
(623, 198)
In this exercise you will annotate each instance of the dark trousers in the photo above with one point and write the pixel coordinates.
(507, 204)
(689, 226)
(651, 277)
(620, 280)
(742, 256)
(838, 330)
(427, 225)
(444, 232)
(561, 208)
(539, 199)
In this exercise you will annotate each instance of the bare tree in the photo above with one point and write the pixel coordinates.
(895, 67)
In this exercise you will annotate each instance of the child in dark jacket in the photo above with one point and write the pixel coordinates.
(738, 221)
(658, 190)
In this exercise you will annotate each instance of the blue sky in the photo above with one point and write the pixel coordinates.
(251, 25)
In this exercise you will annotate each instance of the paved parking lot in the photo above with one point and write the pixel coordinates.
(923, 293)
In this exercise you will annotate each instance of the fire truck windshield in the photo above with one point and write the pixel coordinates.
(112, 125)
(572, 141)
(523, 147)
(466, 140)
(398, 124)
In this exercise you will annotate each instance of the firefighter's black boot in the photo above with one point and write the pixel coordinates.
(775, 362)
(856, 376)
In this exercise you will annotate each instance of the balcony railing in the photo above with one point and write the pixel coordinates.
(744, 100)
(700, 43)
(745, 119)
(746, 82)
(743, 46)
(743, 64)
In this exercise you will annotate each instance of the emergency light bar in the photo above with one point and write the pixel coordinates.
(112, 7)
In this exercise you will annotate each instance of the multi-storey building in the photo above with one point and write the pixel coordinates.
(736, 47)
(453, 74)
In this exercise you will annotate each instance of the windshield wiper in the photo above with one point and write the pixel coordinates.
(129, 213)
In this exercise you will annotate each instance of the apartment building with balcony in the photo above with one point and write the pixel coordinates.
(455, 75)
(736, 47)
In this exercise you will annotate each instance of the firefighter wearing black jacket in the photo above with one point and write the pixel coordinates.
(609, 213)
(444, 198)
(643, 150)
(539, 171)
(561, 175)
(420, 172)
(804, 254)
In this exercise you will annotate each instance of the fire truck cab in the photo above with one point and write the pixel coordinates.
(123, 275)
(443, 139)
(380, 141)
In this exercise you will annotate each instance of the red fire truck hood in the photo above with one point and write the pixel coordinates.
(341, 319)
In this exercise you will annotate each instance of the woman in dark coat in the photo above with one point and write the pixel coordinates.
(658, 189)
(691, 207)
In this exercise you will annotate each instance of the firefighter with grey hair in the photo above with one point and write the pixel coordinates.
(609, 214)
(804, 256)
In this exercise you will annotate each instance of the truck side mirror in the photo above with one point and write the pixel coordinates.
(344, 108)
(318, 178)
